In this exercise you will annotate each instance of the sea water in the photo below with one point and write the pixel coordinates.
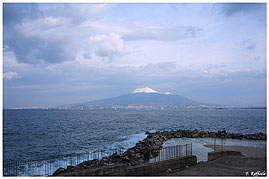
(41, 134)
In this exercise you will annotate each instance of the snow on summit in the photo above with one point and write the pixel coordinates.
(148, 90)
(144, 90)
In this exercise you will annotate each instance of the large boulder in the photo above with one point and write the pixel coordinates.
(59, 170)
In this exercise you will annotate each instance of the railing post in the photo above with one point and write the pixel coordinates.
(214, 144)
(16, 168)
(191, 148)
(174, 152)
(186, 150)
(46, 167)
(222, 144)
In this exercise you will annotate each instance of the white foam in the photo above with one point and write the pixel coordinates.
(129, 141)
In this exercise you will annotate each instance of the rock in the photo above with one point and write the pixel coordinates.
(169, 170)
(127, 158)
(148, 133)
(83, 166)
(177, 135)
(59, 170)
(156, 147)
(137, 155)
(223, 133)
(70, 167)
(212, 134)
(151, 145)
(238, 136)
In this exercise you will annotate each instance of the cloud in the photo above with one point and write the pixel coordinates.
(107, 45)
(212, 68)
(251, 46)
(15, 13)
(231, 9)
(11, 75)
(43, 33)
(63, 45)
(42, 40)
(257, 58)
(9, 61)
(77, 13)
(248, 44)
(36, 49)
(162, 34)
(55, 33)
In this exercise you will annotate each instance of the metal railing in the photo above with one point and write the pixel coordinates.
(49, 166)
(173, 152)
(219, 146)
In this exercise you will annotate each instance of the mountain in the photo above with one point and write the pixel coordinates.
(142, 97)
(145, 99)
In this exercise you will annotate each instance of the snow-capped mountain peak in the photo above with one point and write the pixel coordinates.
(145, 90)
(148, 90)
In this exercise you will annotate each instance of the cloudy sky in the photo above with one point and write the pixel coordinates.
(58, 54)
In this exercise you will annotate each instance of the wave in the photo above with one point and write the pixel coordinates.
(126, 142)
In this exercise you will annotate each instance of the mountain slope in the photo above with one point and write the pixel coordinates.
(144, 99)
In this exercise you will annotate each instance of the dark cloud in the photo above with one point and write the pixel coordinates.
(32, 43)
(257, 58)
(251, 46)
(43, 33)
(15, 13)
(248, 44)
(38, 49)
(230, 9)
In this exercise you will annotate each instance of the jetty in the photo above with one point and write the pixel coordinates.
(135, 161)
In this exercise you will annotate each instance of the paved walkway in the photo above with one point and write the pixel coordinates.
(232, 165)
(246, 151)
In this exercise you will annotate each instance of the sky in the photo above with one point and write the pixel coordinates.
(57, 54)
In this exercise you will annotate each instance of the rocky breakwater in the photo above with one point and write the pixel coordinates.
(205, 134)
(140, 153)
(150, 146)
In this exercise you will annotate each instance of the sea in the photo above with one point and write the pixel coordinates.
(41, 134)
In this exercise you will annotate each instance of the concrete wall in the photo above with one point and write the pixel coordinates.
(215, 155)
(152, 168)
(141, 170)
(117, 169)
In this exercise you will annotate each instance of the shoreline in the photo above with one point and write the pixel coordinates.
(150, 146)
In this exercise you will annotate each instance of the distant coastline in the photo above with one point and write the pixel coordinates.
(137, 107)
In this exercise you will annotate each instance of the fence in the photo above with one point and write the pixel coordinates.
(47, 167)
(219, 146)
(172, 152)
